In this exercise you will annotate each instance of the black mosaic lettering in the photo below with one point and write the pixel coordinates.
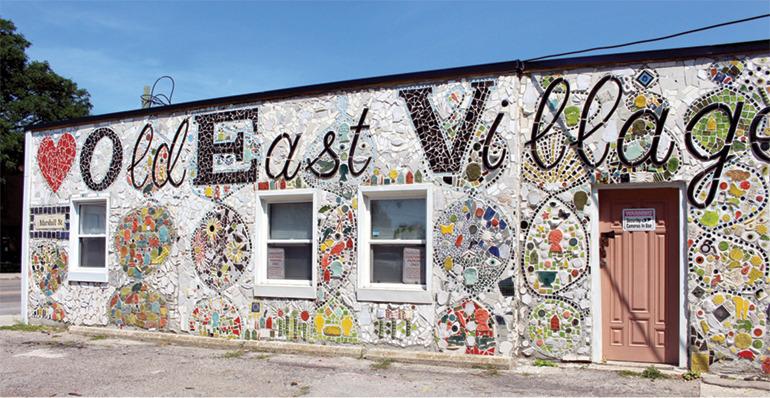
(88, 152)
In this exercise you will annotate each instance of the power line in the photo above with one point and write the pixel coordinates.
(652, 40)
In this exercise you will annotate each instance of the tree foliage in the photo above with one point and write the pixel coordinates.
(30, 93)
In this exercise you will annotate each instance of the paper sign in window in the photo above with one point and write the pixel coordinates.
(276, 263)
(411, 269)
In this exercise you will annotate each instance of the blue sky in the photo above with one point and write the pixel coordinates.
(215, 49)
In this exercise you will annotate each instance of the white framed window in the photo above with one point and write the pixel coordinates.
(395, 243)
(89, 217)
(287, 244)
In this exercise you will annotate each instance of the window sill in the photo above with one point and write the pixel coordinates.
(395, 294)
(81, 275)
(285, 291)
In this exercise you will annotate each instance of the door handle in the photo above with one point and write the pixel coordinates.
(604, 241)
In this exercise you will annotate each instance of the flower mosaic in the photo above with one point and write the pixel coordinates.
(221, 248)
(215, 317)
(555, 328)
(143, 239)
(473, 241)
(136, 304)
(48, 266)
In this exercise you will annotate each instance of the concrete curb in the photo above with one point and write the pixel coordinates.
(418, 357)
(735, 383)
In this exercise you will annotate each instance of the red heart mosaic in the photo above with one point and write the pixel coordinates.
(55, 160)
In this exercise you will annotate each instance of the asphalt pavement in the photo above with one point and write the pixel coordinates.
(10, 296)
(60, 363)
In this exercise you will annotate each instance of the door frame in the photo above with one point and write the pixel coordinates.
(596, 281)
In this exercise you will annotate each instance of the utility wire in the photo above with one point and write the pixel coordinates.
(651, 40)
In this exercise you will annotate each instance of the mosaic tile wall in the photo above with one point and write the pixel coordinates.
(511, 161)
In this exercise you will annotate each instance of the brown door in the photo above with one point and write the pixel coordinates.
(640, 276)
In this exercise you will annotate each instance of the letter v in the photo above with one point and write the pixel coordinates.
(432, 136)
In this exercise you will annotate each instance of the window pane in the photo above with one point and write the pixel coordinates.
(296, 261)
(388, 264)
(93, 219)
(92, 252)
(398, 219)
(291, 220)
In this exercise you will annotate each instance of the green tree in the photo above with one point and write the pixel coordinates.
(31, 93)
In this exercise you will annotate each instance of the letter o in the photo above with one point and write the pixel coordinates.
(88, 152)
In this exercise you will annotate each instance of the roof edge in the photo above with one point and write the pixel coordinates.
(654, 55)
(498, 67)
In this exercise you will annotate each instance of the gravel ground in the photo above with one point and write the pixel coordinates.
(62, 364)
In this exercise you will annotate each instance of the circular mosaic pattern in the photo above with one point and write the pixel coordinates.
(555, 328)
(216, 318)
(48, 266)
(143, 239)
(474, 242)
(468, 326)
(221, 248)
(732, 325)
(556, 248)
(138, 305)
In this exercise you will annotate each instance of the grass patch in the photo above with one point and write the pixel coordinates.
(526, 374)
(65, 344)
(20, 327)
(543, 362)
(233, 354)
(381, 364)
(303, 391)
(627, 373)
(489, 368)
(55, 336)
(98, 337)
(653, 374)
(264, 356)
(691, 375)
